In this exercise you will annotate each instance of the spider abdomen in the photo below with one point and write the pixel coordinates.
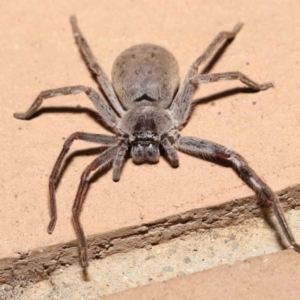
(145, 75)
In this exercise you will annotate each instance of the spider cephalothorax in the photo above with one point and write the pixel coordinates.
(146, 110)
(145, 127)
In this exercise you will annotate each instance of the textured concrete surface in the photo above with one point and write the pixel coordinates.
(180, 257)
(38, 52)
(257, 278)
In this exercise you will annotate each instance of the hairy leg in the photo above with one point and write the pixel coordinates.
(207, 149)
(104, 110)
(100, 162)
(89, 137)
(180, 106)
(119, 160)
(208, 78)
(95, 68)
(171, 152)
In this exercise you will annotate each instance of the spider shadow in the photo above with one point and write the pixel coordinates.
(96, 80)
(220, 95)
(216, 57)
(84, 152)
(72, 110)
(223, 94)
(268, 216)
(207, 68)
(265, 207)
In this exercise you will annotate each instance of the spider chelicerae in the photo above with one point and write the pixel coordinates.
(146, 109)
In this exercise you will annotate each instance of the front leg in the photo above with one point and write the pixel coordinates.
(206, 149)
(181, 104)
(95, 68)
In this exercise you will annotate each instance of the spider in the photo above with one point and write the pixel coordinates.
(146, 109)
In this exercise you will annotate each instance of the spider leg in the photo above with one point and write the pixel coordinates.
(180, 107)
(104, 110)
(171, 152)
(100, 162)
(208, 78)
(207, 149)
(182, 101)
(119, 160)
(95, 68)
(89, 137)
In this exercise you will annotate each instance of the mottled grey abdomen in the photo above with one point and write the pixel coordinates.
(145, 75)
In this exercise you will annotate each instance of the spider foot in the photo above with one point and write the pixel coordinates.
(85, 275)
(266, 86)
(51, 225)
(85, 264)
(21, 116)
(238, 27)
